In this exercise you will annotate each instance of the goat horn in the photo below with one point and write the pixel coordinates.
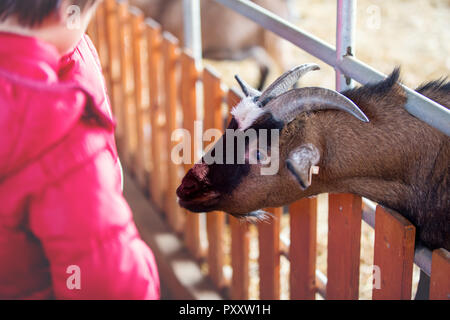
(285, 82)
(248, 90)
(296, 101)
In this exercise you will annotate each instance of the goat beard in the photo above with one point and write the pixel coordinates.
(255, 217)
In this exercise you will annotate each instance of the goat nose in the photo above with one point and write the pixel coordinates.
(188, 186)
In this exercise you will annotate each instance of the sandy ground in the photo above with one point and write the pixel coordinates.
(412, 34)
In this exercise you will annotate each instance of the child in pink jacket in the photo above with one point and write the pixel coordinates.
(66, 231)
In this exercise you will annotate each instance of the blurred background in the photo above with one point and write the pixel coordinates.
(413, 34)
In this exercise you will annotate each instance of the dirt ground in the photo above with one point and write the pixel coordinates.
(412, 34)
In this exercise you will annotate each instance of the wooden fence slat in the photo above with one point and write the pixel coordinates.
(171, 59)
(92, 31)
(240, 240)
(302, 252)
(344, 236)
(440, 275)
(112, 30)
(215, 221)
(269, 256)
(233, 98)
(240, 248)
(393, 256)
(154, 40)
(189, 76)
(138, 39)
(102, 48)
(127, 84)
(215, 226)
(213, 96)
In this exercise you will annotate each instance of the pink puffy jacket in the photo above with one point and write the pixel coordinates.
(66, 231)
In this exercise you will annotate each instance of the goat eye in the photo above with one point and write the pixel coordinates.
(260, 156)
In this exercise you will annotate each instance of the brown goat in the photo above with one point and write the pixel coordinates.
(226, 35)
(395, 159)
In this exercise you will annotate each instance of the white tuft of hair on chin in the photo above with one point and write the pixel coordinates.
(255, 217)
(246, 112)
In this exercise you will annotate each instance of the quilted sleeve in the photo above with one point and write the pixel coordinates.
(89, 237)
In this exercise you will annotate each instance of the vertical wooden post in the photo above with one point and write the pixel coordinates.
(302, 252)
(127, 84)
(240, 248)
(240, 240)
(394, 255)
(440, 275)
(171, 59)
(189, 77)
(269, 256)
(138, 39)
(215, 221)
(92, 30)
(102, 47)
(154, 41)
(112, 31)
(344, 236)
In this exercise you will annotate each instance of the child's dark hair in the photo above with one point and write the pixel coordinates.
(32, 13)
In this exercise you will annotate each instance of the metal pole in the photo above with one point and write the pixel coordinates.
(422, 255)
(192, 28)
(345, 39)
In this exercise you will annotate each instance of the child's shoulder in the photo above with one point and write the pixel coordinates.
(39, 109)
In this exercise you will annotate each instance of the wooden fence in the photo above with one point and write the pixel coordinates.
(152, 85)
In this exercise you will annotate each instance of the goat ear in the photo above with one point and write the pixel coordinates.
(301, 162)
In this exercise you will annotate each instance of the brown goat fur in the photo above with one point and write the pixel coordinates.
(396, 159)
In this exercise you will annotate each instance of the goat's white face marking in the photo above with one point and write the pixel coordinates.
(246, 112)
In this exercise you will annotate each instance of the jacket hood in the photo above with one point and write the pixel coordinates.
(37, 109)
